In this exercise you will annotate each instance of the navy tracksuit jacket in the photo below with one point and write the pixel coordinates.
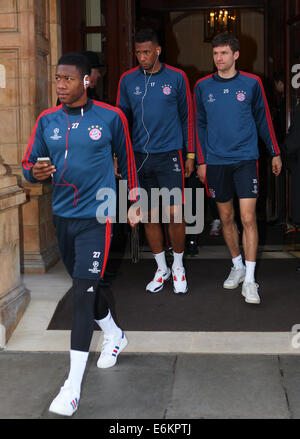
(160, 108)
(229, 113)
(80, 145)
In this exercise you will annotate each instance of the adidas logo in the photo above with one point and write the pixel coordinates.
(90, 290)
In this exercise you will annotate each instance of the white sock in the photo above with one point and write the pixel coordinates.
(178, 260)
(250, 268)
(109, 326)
(161, 261)
(238, 262)
(78, 360)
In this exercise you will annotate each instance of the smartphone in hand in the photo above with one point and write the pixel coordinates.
(46, 160)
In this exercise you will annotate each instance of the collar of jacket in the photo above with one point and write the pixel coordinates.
(218, 78)
(77, 110)
(155, 73)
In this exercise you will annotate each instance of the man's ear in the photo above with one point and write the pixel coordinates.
(236, 55)
(86, 81)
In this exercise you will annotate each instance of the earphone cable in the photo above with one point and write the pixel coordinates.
(143, 113)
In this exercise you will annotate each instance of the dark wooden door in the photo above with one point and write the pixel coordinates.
(120, 35)
(112, 24)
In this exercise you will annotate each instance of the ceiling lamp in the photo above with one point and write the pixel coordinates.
(218, 21)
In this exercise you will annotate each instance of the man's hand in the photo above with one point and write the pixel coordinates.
(201, 171)
(116, 168)
(276, 165)
(189, 167)
(41, 171)
(134, 216)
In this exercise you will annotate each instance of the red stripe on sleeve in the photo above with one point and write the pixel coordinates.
(267, 110)
(198, 146)
(132, 176)
(25, 161)
(191, 133)
(119, 86)
(206, 186)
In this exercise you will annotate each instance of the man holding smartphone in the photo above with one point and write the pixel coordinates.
(74, 143)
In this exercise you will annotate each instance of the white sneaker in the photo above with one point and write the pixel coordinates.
(235, 277)
(66, 402)
(111, 348)
(215, 228)
(179, 280)
(249, 291)
(159, 280)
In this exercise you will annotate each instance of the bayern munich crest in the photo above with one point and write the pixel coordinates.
(241, 96)
(167, 89)
(95, 132)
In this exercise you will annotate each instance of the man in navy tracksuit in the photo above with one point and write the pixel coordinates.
(157, 101)
(231, 107)
(79, 137)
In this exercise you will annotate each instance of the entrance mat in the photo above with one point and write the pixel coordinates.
(206, 307)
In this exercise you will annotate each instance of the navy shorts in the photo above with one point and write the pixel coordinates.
(84, 246)
(161, 170)
(224, 181)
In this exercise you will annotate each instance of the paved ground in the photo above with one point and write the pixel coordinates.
(256, 377)
(158, 387)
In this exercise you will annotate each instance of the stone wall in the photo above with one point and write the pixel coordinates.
(29, 46)
(29, 49)
(14, 297)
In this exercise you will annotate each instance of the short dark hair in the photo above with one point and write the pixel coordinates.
(146, 34)
(226, 39)
(76, 59)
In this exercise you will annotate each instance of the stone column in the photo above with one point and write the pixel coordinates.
(14, 298)
(29, 34)
(26, 46)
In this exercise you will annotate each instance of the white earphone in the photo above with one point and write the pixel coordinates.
(85, 81)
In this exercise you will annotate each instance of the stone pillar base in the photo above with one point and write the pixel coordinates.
(14, 297)
(39, 244)
(38, 263)
(12, 306)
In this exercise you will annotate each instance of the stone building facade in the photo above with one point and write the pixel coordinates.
(31, 41)
(30, 45)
